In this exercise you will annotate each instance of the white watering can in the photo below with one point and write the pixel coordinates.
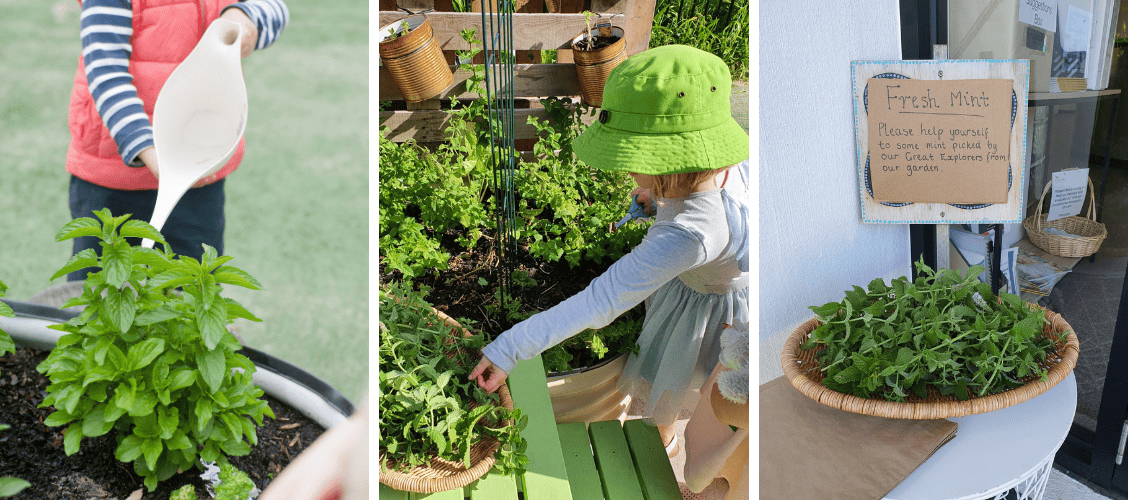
(199, 117)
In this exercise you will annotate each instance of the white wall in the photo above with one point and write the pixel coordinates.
(813, 245)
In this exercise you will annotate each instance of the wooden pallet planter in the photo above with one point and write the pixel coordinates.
(532, 32)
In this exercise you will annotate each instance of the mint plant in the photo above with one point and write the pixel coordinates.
(571, 205)
(590, 347)
(942, 330)
(233, 484)
(567, 207)
(150, 356)
(428, 408)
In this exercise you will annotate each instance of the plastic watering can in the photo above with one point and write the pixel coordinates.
(199, 117)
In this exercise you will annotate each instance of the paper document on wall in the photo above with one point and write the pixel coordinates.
(1075, 29)
(1068, 193)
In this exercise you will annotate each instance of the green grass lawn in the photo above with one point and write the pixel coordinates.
(297, 208)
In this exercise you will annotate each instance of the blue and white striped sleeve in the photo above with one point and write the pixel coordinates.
(106, 28)
(269, 16)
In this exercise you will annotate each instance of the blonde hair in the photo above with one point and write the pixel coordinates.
(669, 182)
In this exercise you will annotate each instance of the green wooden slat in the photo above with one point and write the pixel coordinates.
(387, 493)
(494, 486)
(613, 458)
(546, 476)
(651, 462)
(583, 477)
(455, 494)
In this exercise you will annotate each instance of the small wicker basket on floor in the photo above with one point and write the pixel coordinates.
(1089, 233)
(444, 475)
(802, 368)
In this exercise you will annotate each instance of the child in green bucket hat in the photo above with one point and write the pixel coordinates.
(666, 121)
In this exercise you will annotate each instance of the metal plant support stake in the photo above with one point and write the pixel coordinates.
(500, 56)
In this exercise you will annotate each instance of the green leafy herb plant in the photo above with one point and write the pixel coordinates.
(567, 207)
(942, 331)
(233, 485)
(428, 408)
(149, 357)
(591, 347)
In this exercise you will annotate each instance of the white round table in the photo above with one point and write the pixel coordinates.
(994, 452)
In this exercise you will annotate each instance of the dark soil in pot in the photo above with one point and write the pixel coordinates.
(457, 291)
(34, 452)
(596, 42)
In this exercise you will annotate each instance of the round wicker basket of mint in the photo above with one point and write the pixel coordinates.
(939, 346)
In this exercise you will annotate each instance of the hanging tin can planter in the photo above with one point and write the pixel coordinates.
(596, 52)
(411, 53)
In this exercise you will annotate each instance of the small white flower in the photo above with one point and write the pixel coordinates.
(978, 299)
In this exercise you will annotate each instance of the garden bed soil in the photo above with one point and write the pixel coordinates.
(34, 452)
(458, 292)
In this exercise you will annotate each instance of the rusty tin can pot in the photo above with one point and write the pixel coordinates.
(414, 59)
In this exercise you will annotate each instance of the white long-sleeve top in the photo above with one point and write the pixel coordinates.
(691, 239)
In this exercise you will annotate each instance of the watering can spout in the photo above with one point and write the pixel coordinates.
(199, 117)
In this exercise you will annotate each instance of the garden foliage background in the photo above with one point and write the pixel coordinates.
(297, 208)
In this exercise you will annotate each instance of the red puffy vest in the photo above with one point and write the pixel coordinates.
(164, 33)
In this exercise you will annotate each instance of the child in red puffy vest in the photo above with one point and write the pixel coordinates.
(129, 49)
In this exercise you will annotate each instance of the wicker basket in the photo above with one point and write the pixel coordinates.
(443, 475)
(1090, 233)
(802, 368)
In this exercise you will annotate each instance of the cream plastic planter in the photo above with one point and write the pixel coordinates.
(303, 392)
(589, 394)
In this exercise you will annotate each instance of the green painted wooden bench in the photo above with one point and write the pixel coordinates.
(605, 460)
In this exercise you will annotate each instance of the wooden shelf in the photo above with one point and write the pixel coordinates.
(1068, 96)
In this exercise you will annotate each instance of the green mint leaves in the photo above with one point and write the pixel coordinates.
(942, 331)
(6, 344)
(428, 407)
(150, 358)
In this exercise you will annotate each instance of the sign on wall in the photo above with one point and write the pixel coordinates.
(941, 142)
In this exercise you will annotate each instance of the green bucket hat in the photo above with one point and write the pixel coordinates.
(665, 111)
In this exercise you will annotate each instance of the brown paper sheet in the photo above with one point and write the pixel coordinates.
(939, 141)
(809, 450)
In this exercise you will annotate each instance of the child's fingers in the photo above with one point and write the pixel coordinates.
(496, 377)
(479, 368)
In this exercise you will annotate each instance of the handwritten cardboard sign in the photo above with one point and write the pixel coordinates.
(939, 141)
(904, 108)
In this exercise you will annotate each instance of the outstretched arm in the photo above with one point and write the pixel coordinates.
(106, 28)
(667, 251)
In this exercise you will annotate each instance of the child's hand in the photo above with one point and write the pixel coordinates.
(250, 31)
(148, 156)
(495, 375)
(645, 200)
